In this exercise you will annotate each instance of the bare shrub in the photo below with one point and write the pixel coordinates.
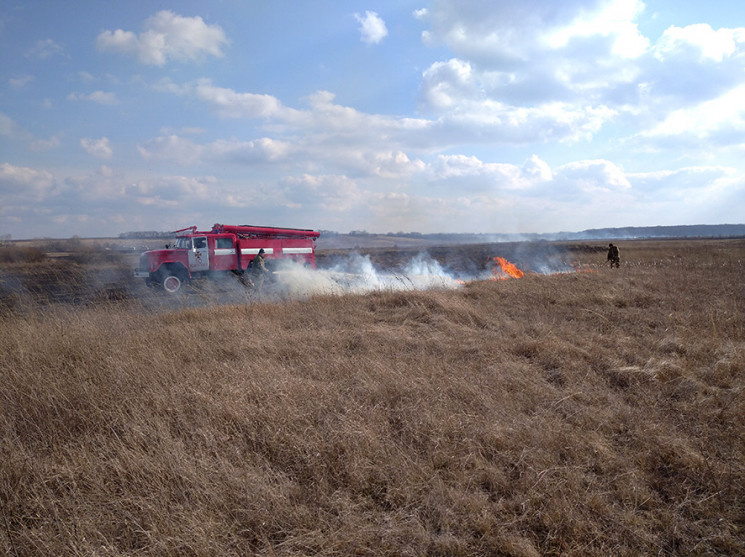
(15, 254)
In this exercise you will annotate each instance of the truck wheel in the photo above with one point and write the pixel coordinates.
(171, 284)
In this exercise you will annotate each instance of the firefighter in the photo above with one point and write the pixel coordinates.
(614, 256)
(259, 270)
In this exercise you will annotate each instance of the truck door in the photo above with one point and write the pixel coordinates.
(225, 258)
(199, 256)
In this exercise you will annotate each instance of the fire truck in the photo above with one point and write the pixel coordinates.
(222, 250)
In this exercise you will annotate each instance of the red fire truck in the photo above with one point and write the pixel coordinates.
(221, 250)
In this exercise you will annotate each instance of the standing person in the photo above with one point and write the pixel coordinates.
(614, 256)
(259, 270)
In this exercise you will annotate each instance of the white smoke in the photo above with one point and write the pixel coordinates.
(357, 275)
(353, 274)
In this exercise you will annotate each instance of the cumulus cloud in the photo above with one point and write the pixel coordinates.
(500, 33)
(468, 175)
(591, 177)
(327, 122)
(167, 36)
(389, 164)
(533, 71)
(699, 42)
(9, 128)
(99, 148)
(372, 27)
(719, 121)
(100, 97)
(172, 148)
(172, 190)
(231, 104)
(20, 181)
(446, 84)
(420, 13)
(357, 142)
(614, 22)
(20, 81)
(334, 193)
(262, 150)
(541, 70)
(7, 125)
(43, 49)
(532, 52)
(183, 151)
(537, 169)
(45, 144)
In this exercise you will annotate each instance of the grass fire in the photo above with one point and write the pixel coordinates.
(566, 413)
(503, 269)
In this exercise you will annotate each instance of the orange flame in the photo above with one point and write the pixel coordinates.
(503, 269)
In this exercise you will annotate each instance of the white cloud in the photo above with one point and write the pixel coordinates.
(9, 128)
(172, 148)
(334, 193)
(258, 150)
(24, 182)
(614, 20)
(547, 71)
(372, 28)
(495, 32)
(7, 125)
(329, 133)
(45, 144)
(537, 169)
(593, 176)
(99, 148)
(167, 36)
(43, 49)
(485, 121)
(20, 81)
(186, 130)
(100, 97)
(390, 164)
(699, 42)
(187, 153)
(681, 180)
(86, 77)
(446, 84)
(230, 104)
(532, 71)
(420, 13)
(717, 121)
(324, 123)
(172, 190)
(470, 175)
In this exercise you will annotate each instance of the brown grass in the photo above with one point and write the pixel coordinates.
(577, 414)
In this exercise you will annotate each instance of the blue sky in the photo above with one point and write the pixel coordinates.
(424, 116)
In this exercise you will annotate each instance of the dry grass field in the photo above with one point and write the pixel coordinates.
(578, 413)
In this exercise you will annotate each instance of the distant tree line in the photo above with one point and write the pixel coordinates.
(629, 232)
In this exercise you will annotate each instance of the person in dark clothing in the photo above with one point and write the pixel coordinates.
(614, 256)
(259, 270)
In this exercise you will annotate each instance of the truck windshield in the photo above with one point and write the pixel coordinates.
(183, 243)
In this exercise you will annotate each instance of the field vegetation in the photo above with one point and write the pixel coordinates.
(575, 413)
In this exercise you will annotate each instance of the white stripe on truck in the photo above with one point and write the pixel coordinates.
(255, 251)
(297, 250)
(225, 251)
